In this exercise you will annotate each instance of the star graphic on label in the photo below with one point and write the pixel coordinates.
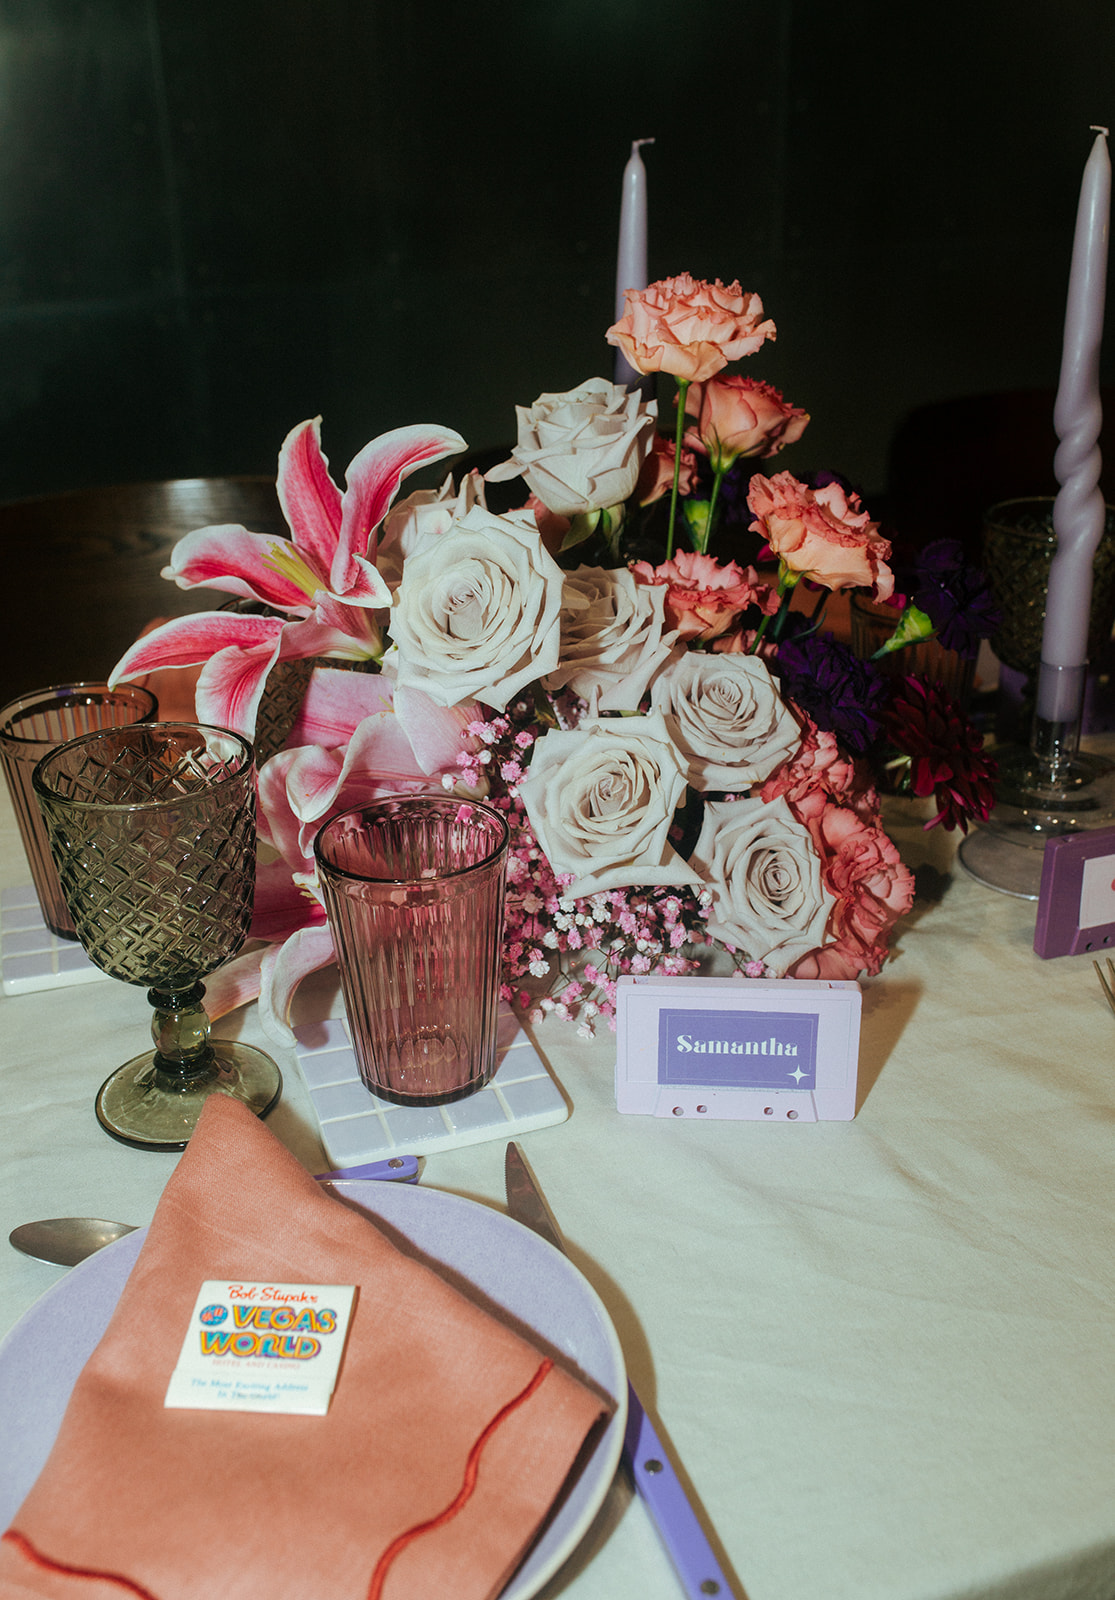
(797, 1074)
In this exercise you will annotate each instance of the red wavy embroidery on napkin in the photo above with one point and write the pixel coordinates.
(472, 1469)
(48, 1563)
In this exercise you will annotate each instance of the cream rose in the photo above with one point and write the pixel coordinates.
(764, 873)
(726, 716)
(425, 515)
(601, 800)
(583, 450)
(611, 637)
(477, 614)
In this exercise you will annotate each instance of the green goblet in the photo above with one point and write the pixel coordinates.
(152, 829)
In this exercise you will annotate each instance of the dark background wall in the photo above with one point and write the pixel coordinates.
(218, 217)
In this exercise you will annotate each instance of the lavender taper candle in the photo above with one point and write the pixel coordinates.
(1078, 512)
(631, 261)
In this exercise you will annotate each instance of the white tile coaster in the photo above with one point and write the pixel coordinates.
(31, 957)
(356, 1126)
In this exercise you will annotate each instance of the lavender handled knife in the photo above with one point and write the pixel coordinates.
(653, 1473)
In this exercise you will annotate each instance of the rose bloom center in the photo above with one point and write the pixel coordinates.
(775, 877)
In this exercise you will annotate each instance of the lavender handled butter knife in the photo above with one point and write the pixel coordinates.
(653, 1473)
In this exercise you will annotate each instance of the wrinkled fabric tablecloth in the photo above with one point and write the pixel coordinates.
(882, 1349)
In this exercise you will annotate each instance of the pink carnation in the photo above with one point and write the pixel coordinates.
(703, 597)
(819, 771)
(861, 866)
(823, 534)
(689, 327)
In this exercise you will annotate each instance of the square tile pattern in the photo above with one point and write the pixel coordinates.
(31, 957)
(356, 1126)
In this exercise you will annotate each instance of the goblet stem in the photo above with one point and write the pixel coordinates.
(1049, 789)
(180, 1030)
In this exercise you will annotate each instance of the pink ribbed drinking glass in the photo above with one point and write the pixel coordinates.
(30, 728)
(413, 889)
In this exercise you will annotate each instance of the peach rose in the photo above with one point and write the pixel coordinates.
(688, 327)
(738, 416)
(703, 598)
(657, 476)
(861, 867)
(822, 534)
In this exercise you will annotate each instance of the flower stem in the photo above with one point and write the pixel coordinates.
(718, 479)
(679, 434)
(787, 583)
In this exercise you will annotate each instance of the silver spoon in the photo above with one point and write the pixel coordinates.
(66, 1240)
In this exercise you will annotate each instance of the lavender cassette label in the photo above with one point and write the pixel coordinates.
(752, 1049)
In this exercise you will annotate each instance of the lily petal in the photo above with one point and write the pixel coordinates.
(312, 780)
(336, 703)
(184, 641)
(366, 585)
(372, 482)
(283, 968)
(233, 985)
(232, 559)
(436, 733)
(341, 630)
(310, 499)
(231, 686)
(281, 905)
(277, 823)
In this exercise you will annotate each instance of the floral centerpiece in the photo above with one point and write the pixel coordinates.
(683, 756)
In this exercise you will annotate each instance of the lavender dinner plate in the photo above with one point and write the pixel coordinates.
(509, 1266)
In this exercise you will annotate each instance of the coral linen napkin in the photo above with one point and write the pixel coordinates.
(379, 1500)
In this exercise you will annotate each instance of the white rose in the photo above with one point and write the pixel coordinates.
(611, 637)
(477, 614)
(727, 717)
(423, 516)
(765, 878)
(601, 800)
(581, 451)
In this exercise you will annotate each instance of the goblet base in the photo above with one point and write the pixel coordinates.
(1038, 801)
(143, 1105)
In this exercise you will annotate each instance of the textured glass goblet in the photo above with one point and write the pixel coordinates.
(152, 829)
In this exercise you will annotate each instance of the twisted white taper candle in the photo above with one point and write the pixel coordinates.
(1078, 512)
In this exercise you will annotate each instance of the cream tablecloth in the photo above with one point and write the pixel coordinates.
(882, 1349)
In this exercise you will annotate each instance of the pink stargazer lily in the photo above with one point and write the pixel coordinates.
(358, 737)
(323, 580)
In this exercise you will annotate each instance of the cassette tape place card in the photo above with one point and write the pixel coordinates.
(755, 1050)
(1076, 902)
